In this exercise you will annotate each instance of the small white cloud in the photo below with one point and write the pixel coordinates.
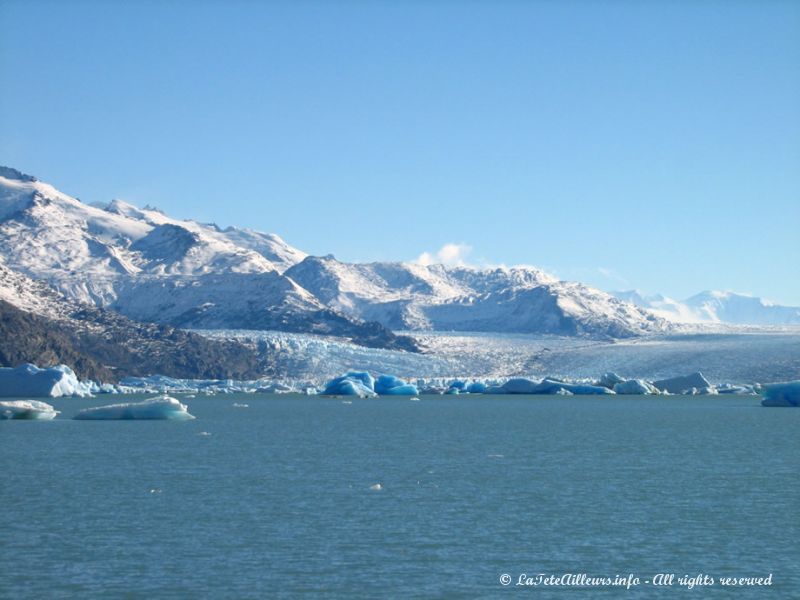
(452, 255)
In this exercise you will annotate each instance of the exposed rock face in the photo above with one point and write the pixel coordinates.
(104, 346)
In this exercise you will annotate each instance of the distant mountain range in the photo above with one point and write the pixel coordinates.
(715, 307)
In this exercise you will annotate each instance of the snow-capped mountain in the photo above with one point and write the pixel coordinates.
(715, 307)
(151, 267)
(729, 307)
(521, 300)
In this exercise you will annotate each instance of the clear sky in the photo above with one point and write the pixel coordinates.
(625, 144)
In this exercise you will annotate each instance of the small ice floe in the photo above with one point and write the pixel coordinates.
(155, 491)
(496, 455)
(161, 407)
(414, 399)
(33, 410)
(347, 401)
(190, 396)
(204, 433)
(376, 487)
(240, 405)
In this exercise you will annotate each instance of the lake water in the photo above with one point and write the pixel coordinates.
(274, 500)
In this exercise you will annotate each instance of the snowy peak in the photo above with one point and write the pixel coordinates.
(730, 307)
(713, 306)
(269, 245)
(414, 296)
(166, 243)
(51, 235)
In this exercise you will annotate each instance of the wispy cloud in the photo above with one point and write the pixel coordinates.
(612, 275)
(453, 255)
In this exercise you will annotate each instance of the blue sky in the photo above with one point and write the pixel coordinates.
(625, 144)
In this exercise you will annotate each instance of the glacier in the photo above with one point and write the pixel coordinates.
(782, 394)
(27, 409)
(29, 381)
(158, 408)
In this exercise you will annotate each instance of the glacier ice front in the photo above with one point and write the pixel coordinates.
(30, 381)
(160, 407)
(27, 409)
(782, 394)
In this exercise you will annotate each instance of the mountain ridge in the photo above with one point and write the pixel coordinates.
(150, 267)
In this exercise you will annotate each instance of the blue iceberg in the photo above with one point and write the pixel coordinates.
(354, 383)
(389, 385)
(520, 385)
(161, 407)
(782, 394)
(476, 387)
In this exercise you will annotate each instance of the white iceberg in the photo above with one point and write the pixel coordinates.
(27, 409)
(681, 385)
(635, 387)
(30, 381)
(782, 394)
(610, 379)
(160, 407)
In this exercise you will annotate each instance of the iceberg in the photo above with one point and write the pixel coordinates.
(30, 381)
(389, 385)
(476, 387)
(735, 389)
(517, 385)
(635, 387)
(554, 386)
(609, 380)
(27, 409)
(520, 385)
(782, 394)
(679, 385)
(160, 407)
(354, 383)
